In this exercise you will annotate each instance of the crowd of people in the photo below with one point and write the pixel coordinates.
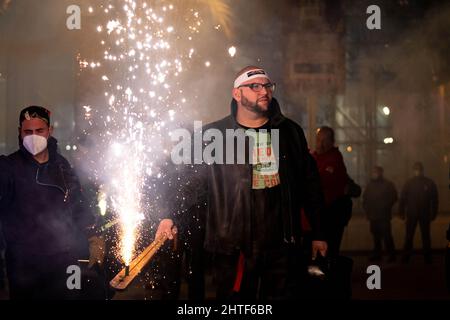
(257, 226)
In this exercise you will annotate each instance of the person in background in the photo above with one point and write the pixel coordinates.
(335, 182)
(379, 197)
(418, 205)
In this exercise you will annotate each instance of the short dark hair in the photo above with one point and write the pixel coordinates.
(379, 169)
(418, 165)
(34, 112)
(327, 130)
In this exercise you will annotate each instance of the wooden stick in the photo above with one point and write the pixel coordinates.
(127, 274)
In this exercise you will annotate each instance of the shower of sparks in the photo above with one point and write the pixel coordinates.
(221, 12)
(102, 202)
(143, 54)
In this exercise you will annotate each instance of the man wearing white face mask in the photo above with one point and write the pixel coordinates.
(46, 222)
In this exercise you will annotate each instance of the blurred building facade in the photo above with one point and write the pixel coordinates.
(386, 92)
(37, 67)
(379, 89)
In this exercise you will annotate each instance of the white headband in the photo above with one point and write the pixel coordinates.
(252, 74)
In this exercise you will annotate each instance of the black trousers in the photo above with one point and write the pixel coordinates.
(382, 232)
(338, 214)
(334, 239)
(195, 263)
(35, 277)
(270, 275)
(411, 224)
(186, 261)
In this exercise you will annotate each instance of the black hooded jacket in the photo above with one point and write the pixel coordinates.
(224, 190)
(41, 205)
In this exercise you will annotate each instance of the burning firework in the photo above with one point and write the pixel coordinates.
(127, 275)
(145, 49)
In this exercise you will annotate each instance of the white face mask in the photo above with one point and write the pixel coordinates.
(35, 144)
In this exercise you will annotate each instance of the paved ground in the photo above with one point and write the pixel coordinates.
(412, 281)
(415, 280)
(357, 235)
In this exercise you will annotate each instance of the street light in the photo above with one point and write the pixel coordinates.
(388, 140)
(232, 51)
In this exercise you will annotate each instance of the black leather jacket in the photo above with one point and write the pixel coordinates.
(41, 205)
(222, 192)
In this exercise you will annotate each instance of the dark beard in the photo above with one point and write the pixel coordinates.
(254, 107)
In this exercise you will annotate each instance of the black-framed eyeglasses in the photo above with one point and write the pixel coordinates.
(257, 87)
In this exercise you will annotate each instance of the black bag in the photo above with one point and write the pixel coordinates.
(353, 189)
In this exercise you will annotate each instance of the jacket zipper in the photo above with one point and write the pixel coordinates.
(66, 192)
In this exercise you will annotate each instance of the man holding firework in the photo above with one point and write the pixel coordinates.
(252, 217)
